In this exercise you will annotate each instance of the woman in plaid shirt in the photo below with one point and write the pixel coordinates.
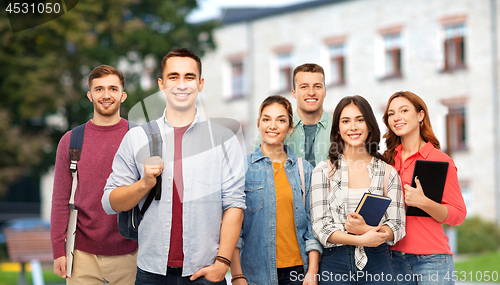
(354, 252)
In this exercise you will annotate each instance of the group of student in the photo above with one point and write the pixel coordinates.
(284, 216)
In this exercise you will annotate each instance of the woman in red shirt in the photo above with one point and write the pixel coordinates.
(424, 254)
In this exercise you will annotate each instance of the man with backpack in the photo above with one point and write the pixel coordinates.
(101, 253)
(191, 228)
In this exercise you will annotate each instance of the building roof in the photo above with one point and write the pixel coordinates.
(235, 15)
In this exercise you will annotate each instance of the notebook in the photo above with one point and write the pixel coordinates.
(372, 208)
(432, 176)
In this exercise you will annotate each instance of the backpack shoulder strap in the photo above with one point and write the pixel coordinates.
(155, 149)
(154, 136)
(75, 149)
(302, 180)
(132, 125)
(386, 178)
(76, 142)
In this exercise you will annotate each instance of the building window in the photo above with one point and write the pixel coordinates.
(285, 71)
(456, 128)
(337, 64)
(456, 124)
(237, 79)
(454, 47)
(392, 47)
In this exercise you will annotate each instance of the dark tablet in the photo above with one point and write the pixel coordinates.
(432, 176)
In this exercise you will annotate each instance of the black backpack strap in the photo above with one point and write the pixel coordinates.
(155, 149)
(75, 145)
(75, 149)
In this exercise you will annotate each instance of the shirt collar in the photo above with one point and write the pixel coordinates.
(426, 150)
(296, 119)
(397, 150)
(323, 121)
(196, 118)
(325, 118)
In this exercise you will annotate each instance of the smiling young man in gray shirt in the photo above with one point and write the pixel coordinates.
(189, 235)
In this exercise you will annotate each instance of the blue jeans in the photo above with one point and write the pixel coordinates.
(173, 277)
(422, 268)
(287, 274)
(338, 266)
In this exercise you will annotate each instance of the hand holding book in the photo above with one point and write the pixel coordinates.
(374, 237)
(355, 224)
(431, 178)
(414, 196)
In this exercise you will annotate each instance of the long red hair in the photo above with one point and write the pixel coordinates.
(392, 140)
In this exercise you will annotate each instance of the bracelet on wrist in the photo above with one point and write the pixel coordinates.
(224, 260)
(238, 276)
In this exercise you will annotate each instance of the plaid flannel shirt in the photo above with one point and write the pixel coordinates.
(329, 202)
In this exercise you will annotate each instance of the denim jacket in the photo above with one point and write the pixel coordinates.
(258, 234)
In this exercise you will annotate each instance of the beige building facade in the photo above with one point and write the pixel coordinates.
(443, 50)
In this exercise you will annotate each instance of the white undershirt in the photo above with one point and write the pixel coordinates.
(354, 197)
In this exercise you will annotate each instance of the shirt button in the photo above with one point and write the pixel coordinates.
(166, 247)
(301, 150)
(170, 177)
(302, 134)
(168, 200)
(168, 224)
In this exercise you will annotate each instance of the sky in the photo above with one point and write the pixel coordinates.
(210, 9)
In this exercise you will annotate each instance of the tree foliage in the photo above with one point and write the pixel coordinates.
(44, 69)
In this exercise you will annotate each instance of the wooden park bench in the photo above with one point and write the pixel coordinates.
(29, 245)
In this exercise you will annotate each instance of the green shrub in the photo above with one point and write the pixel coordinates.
(477, 235)
(3, 252)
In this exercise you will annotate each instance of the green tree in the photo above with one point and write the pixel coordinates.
(44, 69)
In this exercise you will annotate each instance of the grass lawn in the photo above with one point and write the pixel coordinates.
(480, 268)
(10, 278)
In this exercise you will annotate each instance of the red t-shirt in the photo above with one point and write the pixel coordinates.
(176, 254)
(424, 235)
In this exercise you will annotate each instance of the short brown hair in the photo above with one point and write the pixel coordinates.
(104, 70)
(180, 52)
(307, 67)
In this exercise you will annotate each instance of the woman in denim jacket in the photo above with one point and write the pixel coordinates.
(276, 244)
